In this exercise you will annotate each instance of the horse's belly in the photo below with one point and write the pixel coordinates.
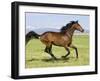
(62, 42)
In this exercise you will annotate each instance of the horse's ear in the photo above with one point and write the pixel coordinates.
(77, 21)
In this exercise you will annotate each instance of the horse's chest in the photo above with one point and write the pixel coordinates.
(67, 42)
(66, 39)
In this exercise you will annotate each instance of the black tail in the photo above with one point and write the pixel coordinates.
(30, 36)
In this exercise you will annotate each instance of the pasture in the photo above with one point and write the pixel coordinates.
(36, 57)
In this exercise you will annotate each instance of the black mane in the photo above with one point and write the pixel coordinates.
(67, 26)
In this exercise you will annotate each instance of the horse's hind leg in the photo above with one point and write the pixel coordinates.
(50, 52)
(67, 53)
(48, 49)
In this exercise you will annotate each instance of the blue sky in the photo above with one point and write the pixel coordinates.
(46, 20)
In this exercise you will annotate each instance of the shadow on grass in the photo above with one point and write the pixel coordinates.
(51, 60)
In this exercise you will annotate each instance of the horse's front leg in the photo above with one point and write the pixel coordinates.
(68, 52)
(74, 47)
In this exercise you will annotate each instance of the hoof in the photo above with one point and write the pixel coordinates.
(63, 57)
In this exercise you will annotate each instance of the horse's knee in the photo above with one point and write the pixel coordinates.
(75, 48)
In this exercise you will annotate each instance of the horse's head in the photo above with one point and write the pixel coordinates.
(77, 26)
(72, 25)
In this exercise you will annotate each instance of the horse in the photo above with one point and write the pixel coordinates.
(62, 38)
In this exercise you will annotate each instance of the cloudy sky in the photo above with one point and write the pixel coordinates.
(47, 20)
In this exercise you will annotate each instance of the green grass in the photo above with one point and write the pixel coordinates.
(36, 57)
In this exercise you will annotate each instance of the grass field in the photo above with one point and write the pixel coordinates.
(36, 57)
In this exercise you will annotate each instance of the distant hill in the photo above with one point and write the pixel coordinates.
(42, 30)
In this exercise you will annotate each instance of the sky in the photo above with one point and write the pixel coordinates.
(47, 20)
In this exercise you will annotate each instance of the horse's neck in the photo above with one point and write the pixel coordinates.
(70, 32)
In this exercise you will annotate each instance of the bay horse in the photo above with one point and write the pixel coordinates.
(62, 38)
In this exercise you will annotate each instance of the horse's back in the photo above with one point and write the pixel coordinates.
(47, 36)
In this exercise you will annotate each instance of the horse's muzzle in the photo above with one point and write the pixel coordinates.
(82, 30)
